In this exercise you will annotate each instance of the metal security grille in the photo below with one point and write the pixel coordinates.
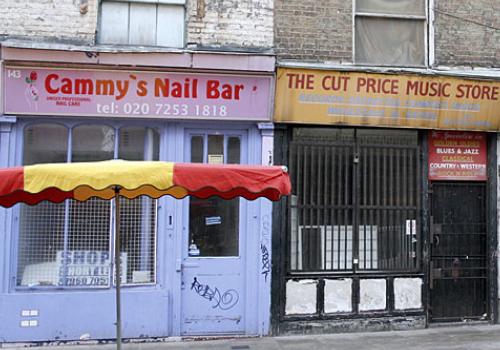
(355, 201)
(322, 202)
(41, 236)
(138, 228)
(388, 200)
(88, 244)
(69, 244)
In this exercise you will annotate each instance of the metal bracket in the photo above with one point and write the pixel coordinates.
(356, 158)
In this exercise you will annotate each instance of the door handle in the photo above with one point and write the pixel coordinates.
(436, 230)
(435, 240)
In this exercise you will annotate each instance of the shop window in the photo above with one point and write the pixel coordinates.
(330, 247)
(70, 244)
(355, 200)
(390, 32)
(142, 22)
(42, 226)
(213, 222)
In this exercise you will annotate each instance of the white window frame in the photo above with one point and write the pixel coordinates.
(166, 2)
(153, 2)
(428, 35)
(430, 57)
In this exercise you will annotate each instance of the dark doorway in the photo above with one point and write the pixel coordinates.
(459, 265)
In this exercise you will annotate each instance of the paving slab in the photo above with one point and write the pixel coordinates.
(466, 337)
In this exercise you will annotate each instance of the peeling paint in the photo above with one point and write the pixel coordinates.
(372, 294)
(352, 325)
(407, 293)
(212, 318)
(338, 295)
(85, 336)
(301, 297)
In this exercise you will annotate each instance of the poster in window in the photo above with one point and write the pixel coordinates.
(457, 156)
(87, 267)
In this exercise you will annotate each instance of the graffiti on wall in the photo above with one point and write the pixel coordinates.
(223, 301)
(266, 263)
(265, 240)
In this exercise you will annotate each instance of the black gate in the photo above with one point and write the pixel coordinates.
(459, 264)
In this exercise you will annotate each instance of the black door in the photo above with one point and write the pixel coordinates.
(458, 252)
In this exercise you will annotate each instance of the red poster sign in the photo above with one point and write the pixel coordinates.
(457, 155)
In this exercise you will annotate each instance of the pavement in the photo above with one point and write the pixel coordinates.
(473, 337)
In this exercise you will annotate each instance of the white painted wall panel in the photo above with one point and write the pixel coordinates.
(300, 297)
(372, 294)
(338, 295)
(407, 293)
(234, 23)
(39, 20)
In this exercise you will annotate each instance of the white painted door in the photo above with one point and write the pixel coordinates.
(213, 263)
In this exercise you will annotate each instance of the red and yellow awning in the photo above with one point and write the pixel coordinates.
(81, 181)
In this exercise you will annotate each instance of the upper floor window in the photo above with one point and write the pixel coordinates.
(390, 32)
(142, 22)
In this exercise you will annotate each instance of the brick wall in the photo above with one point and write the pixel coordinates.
(63, 20)
(321, 30)
(305, 30)
(460, 41)
(214, 23)
(230, 23)
(313, 30)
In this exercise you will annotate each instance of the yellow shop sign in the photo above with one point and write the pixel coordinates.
(413, 101)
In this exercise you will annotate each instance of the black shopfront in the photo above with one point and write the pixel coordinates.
(368, 240)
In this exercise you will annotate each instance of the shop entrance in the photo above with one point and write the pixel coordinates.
(213, 247)
(458, 276)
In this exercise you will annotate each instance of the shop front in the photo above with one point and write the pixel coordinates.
(190, 267)
(392, 219)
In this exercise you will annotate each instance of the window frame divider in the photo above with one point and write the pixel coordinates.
(390, 15)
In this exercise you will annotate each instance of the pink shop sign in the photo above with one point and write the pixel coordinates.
(168, 95)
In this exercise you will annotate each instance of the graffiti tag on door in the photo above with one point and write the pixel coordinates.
(223, 301)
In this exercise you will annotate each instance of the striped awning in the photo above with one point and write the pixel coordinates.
(81, 181)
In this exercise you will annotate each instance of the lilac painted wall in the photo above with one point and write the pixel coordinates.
(148, 311)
